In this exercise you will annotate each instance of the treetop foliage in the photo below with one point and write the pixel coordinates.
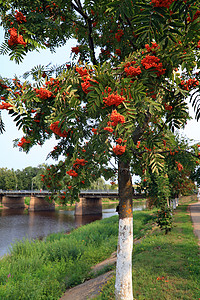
(108, 25)
(133, 67)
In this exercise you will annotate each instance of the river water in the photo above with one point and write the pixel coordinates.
(18, 224)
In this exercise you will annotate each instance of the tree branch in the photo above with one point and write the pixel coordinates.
(130, 25)
(164, 151)
(91, 42)
(138, 132)
(78, 3)
(88, 21)
(80, 11)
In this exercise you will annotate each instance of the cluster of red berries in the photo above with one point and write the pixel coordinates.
(22, 142)
(43, 93)
(119, 150)
(149, 62)
(162, 3)
(57, 130)
(112, 98)
(5, 105)
(15, 38)
(188, 84)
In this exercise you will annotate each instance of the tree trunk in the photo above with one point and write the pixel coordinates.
(123, 283)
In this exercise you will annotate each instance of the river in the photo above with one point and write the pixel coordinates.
(19, 224)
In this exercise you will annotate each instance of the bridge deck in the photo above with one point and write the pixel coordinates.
(83, 193)
(44, 193)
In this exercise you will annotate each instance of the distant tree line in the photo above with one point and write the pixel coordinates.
(26, 179)
(100, 184)
(30, 179)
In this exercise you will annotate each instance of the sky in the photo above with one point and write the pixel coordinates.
(13, 158)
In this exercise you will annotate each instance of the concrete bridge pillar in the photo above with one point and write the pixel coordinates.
(88, 206)
(13, 202)
(39, 204)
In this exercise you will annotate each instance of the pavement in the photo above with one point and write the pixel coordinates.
(195, 216)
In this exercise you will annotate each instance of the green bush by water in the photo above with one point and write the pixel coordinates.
(27, 200)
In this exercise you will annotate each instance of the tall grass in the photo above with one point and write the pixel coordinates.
(44, 269)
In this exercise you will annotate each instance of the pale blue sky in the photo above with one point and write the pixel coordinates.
(12, 157)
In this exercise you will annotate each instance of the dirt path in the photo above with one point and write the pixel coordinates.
(88, 289)
(92, 287)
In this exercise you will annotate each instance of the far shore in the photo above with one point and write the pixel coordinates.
(105, 201)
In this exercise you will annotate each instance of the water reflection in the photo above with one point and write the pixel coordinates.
(83, 220)
(17, 224)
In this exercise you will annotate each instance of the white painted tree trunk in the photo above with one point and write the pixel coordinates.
(123, 283)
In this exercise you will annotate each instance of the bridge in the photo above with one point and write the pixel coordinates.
(83, 193)
(90, 201)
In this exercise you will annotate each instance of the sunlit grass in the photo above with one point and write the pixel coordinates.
(166, 266)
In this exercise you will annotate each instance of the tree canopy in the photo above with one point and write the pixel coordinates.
(134, 66)
(134, 91)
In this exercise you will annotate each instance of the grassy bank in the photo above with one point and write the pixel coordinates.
(44, 269)
(166, 266)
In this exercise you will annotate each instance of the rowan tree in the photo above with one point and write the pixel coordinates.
(180, 165)
(133, 67)
(176, 178)
(195, 176)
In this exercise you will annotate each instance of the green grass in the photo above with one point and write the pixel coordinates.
(44, 269)
(27, 200)
(65, 207)
(108, 200)
(166, 266)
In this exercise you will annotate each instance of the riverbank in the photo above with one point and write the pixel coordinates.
(69, 206)
(45, 269)
(105, 202)
(164, 266)
(18, 224)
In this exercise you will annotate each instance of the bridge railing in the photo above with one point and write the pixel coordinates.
(99, 192)
(45, 192)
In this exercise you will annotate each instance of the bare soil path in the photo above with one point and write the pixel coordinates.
(91, 288)
(88, 289)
